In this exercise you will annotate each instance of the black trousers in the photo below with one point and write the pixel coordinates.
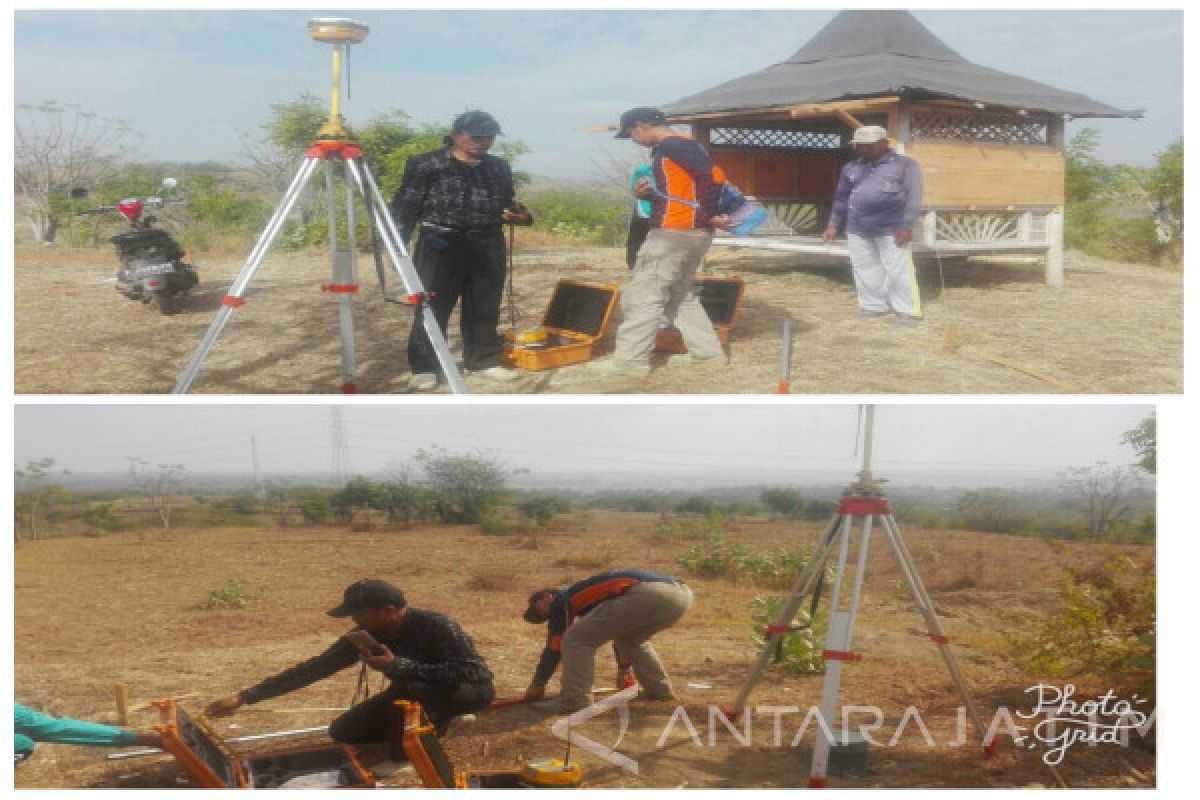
(372, 720)
(453, 266)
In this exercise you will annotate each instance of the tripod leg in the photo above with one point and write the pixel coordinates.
(238, 288)
(838, 641)
(803, 587)
(345, 276)
(925, 606)
(404, 267)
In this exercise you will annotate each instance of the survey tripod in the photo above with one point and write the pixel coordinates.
(335, 147)
(863, 507)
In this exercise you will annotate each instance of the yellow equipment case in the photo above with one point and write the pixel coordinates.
(722, 301)
(577, 317)
(213, 765)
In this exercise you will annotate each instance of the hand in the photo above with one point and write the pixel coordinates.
(515, 216)
(381, 660)
(720, 221)
(829, 234)
(535, 692)
(641, 188)
(224, 707)
(902, 236)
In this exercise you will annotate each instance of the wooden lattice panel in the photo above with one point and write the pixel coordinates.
(959, 127)
(774, 138)
(977, 226)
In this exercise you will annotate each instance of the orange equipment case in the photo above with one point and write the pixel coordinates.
(213, 765)
(577, 317)
(416, 740)
(722, 301)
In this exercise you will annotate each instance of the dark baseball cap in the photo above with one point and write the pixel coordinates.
(368, 594)
(477, 123)
(532, 614)
(646, 114)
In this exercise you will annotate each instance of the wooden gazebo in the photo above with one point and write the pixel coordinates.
(990, 144)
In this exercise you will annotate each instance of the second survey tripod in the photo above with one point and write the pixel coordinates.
(863, 507)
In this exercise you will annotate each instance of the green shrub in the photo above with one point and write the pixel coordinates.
(233, 594)
(582, 214)
(1107, 627)
(799, 652)
(493, 525)
(775, 568)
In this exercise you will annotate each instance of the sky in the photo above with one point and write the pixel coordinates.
(188, 81)
(723, 445)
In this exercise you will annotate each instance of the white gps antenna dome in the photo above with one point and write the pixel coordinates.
(337, 30)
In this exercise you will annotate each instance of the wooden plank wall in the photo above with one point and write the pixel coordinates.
(968, 174)
(779, 173)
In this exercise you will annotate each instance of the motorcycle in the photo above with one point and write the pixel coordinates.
(152, 268)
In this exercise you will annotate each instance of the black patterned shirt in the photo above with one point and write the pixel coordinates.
(439, 189)
(430, 647)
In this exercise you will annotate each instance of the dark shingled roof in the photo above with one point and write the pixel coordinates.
(880, 53)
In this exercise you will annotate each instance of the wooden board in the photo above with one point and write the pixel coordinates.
(763, 172)
(968, 174)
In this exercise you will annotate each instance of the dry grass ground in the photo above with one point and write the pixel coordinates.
(92, 612)
(1114, 328)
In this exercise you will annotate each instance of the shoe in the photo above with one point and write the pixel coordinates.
(455, 725)
(423, 382)
(613, 367)
(496, 373)
(690, 360)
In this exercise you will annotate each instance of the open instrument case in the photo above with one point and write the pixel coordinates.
(212, 764)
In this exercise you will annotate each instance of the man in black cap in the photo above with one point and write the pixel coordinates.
(426, 655)
(460, 197)
(683, 195)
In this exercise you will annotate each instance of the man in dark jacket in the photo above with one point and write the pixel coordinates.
(625, 607)
(460, 197)
(426, 655)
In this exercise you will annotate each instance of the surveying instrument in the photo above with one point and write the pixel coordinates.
(862, 507)
(336, 147)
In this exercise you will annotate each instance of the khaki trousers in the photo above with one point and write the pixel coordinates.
(661, 286)
(628, 621)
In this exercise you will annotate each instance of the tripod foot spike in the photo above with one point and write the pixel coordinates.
(816, 783)
(732, 714)
(349, 388)
(989, 748)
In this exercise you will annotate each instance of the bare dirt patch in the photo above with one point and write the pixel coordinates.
(92, 612)
(1114, 328)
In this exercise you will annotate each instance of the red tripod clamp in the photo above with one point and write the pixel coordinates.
(346, 150)
(419, 299)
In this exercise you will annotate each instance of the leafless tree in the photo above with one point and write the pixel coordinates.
(60, 146)
(1106, 491)
(160, 483)
(34, 492)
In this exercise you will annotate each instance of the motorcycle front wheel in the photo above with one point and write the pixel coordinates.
(167, 302)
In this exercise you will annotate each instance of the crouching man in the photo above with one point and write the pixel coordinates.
(625, 607)
(426, 655)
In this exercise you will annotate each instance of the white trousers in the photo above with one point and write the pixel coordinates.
(884, 275)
